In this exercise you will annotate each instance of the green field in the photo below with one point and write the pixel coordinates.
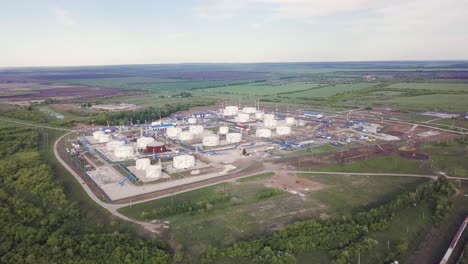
(159, 84)
(449, 157)
(446, 102)
(331, 90)
(264, 88)
(431, 86)
(247, 216)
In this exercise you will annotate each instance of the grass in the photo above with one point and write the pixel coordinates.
(445, 102)
(450, 157)
(331, 90)
(385, 164)
(257, 177)
(431, 86)
(258, 210)
(263, 88)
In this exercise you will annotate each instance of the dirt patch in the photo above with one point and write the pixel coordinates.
(292, 184)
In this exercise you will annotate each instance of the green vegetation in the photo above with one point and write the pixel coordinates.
(264, 88)
(449, 157)
(344, 238)
(385, 164)
(331, 90)
(256, 177)
(431, 86)
(447, 102)
(38, 222)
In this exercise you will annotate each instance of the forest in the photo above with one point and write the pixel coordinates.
(39, 224)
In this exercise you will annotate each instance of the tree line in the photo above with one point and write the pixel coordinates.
(40, 224)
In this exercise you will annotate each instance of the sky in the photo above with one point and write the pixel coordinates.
(105, 32)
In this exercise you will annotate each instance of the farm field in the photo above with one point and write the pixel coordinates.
(331, 90)
(431, 86)
(161, 84)
(441, 102)
(264, 88)
(252, 211)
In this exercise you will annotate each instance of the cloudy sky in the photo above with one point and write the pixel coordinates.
(89, 32)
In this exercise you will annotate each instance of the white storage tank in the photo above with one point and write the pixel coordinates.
(270, 123)
(97, 133)
(268, 117)
(154, 171)
(173, 131)
(142, 142)
(185, 135)
(233, 137)
(223, 130)
(290, 121)
(183, 161)
(104, 138)
(259, 115)
(196, 129)
(142, 164)
(283, 130)
(263, 133)
(211, 141)
(192, 120)
(243, 118)
(301, 122)
(249, 110)
(111, 145)
(124, 152)
(231, 110)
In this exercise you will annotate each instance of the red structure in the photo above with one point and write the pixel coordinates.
(156, 147)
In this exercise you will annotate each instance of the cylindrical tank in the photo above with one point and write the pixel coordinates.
(97, 133)
(290, 121)
(259, 115)
(111, 145)
(183, 161)
(192, 120)
(154, 171)
(156, 147)
(173, 131)
(223, 130)
(301, 122)
(243, 118)
(263, 133)
(283, 130)
(196, 130)
(249, 110)
(104, 138)
(124, 152)
(142, 142)
(185, 135)
(233, 137)
(142, 164)
(270, 123)
(231, 110)
(211, 141)
(268, 117)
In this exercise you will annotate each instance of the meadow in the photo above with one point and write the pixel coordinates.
(445, 102)
(431, 86)
(264, 88)
(248, 214)
(331, 90)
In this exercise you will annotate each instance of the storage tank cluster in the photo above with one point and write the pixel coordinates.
(196, 129)
(142, 142)
(192, 120)
(183, 161)
(185, 135)
(223, 130)
(263, 133)
(283, 130)
(249, 110)
(290, 121)
(233, 137)
(231, 110)
(259, 115)
(112, 145)
(210, 141)
(243, 118)
(124, 152)
(173, 131)
(152, 171)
